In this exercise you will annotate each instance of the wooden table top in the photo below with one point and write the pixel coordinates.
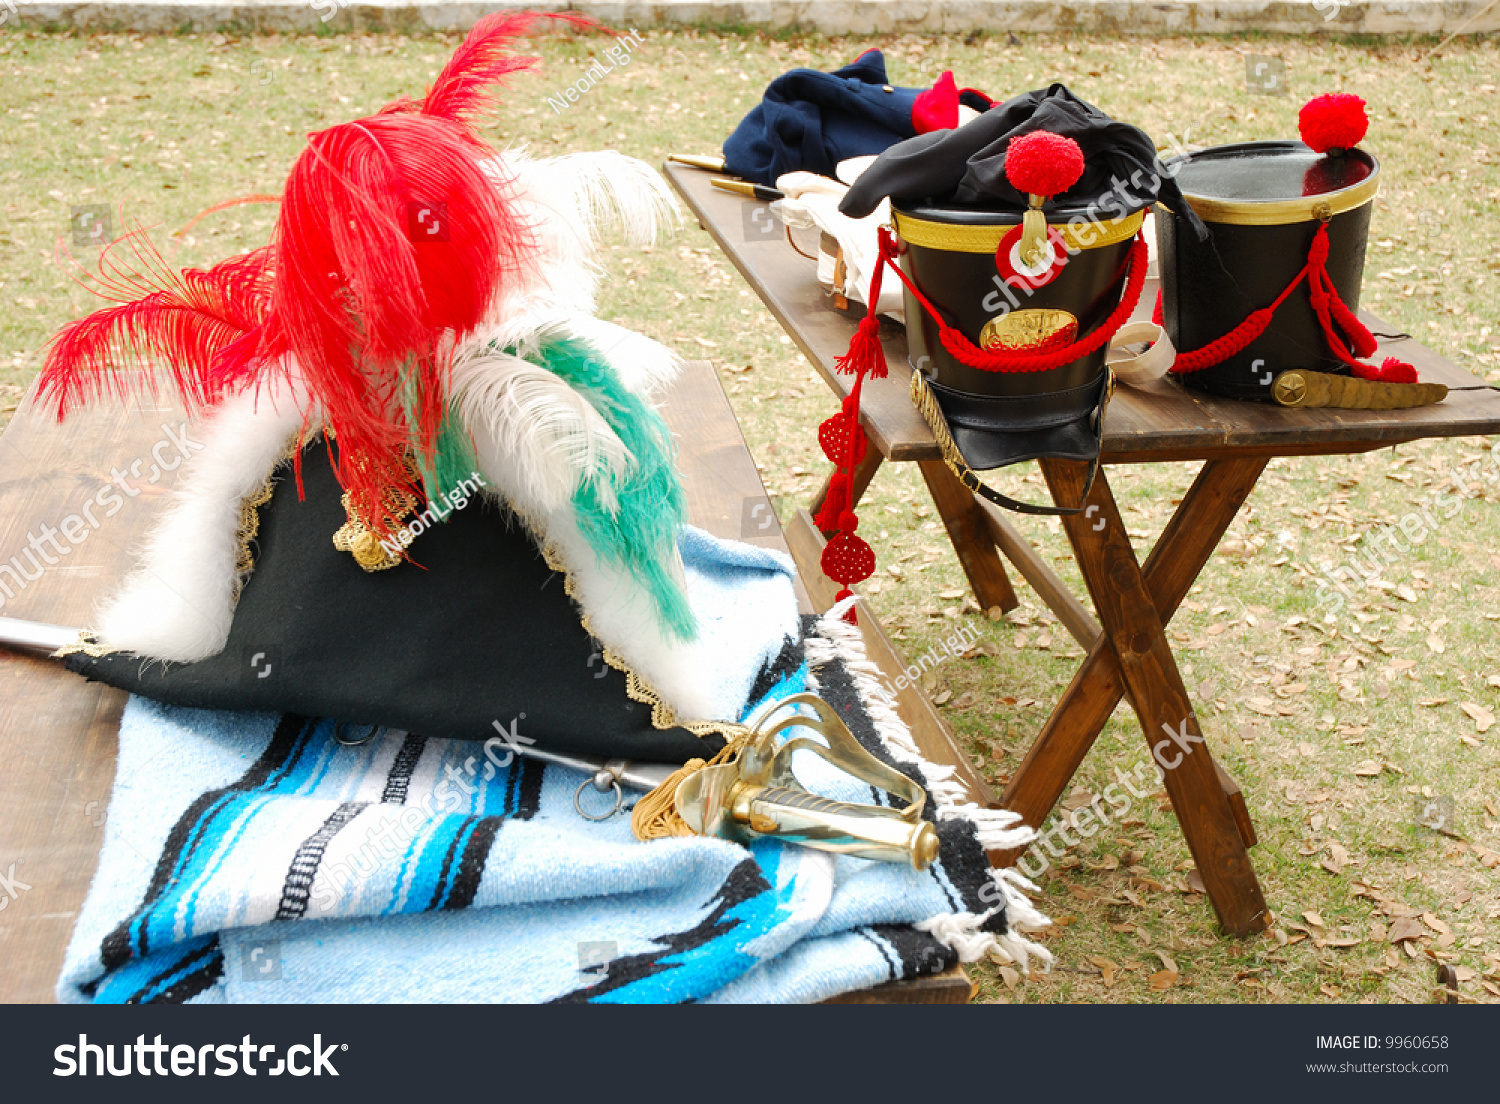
(1159, 422)
(58, 732)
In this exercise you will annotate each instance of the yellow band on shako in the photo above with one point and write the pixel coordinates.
(1078, 233)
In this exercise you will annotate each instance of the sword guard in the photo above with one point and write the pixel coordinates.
(756, 795)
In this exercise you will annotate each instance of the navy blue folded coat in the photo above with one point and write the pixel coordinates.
(811, 120)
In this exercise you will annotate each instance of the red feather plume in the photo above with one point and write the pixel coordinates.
(468, 83)
(392, 241)
(189, 320)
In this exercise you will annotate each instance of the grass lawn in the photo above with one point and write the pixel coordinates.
(1341, 729)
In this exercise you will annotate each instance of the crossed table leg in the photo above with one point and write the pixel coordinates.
(1132, 656)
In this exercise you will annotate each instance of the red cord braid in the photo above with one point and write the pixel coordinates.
(1334, 318)
(966, 352)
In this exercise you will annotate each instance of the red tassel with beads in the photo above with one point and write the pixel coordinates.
(848, 558)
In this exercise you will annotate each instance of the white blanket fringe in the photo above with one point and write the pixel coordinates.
(996, 829)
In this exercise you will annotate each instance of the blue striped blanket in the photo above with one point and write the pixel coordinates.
(254, 858)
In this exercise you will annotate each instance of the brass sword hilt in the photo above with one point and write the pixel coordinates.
(756, 795)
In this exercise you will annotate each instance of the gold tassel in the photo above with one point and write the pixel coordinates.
(655, 815)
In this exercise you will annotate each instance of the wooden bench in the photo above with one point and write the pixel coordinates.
(1126, 645)
(58, 732)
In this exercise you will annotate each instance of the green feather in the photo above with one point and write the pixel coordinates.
(453, 458)
(640, 535)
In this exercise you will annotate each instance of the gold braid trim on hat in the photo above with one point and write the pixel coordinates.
(87, 643)
(244, 560)
(357, 537)
(958, 237)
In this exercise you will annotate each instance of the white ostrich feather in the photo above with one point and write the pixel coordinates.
(569, 201)
(545, 435)
(179, 601)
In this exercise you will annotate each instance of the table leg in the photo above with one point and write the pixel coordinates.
(969, 530)
(1133, 605)
(1189, 539)
(1073, 614)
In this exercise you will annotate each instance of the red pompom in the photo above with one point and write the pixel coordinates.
(1043, 163)
(1335, 121)
(1391, 370)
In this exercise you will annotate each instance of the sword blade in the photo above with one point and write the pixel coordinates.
(34, 636)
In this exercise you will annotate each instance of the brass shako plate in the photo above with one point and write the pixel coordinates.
(1029, 329)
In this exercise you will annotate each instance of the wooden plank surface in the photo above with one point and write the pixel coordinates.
(1162, 421)
(952, 986)
(58, 732)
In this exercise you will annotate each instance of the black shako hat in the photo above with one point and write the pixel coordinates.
(1020, 248)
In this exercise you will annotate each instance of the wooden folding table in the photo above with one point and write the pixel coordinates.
(1130, 654)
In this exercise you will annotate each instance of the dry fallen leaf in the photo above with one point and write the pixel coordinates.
(1329, 991)
(1195, 881)
(1010, 977)
(1483, 718)
(1314, 918)
(1336, 860)
(1405, 928)
(1106, 968)
(1435, 642)
(1163, 980)
(1369, 768)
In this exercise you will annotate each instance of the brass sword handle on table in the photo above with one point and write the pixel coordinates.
(757, 796)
